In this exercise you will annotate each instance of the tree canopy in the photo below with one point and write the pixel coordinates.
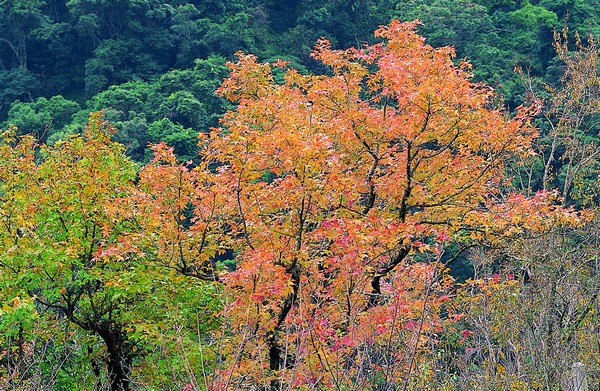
(307, 241)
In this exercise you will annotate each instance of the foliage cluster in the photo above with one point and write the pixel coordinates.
(343, 199)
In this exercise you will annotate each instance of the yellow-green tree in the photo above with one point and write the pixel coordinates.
(72, 252)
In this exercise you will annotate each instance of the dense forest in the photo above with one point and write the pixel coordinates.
(153, 66)
(302, 195)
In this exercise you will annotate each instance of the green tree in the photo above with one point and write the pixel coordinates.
(129, 107)
(184, 140)
(117, 61)
(181, 100)
(201, 81)
(580, 15)
(54, 226)
(43, 117)
(21, 21)
(70, 254)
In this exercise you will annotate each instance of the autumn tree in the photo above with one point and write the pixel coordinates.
(344, 191)
(343, 198)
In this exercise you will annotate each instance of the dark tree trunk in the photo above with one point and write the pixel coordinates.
(274, 360)
(119, 356)
(119, 348)
(375, 295)
(275, 353)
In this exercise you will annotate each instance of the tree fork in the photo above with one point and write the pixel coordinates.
(375, 294)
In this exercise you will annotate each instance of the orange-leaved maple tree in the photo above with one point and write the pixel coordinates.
(342, 194)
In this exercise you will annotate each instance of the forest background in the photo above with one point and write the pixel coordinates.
(153, 67)
(514, 313)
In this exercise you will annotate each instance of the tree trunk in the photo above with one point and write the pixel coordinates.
(576, 379)
(274, 360)
(119, 356)
(275, 352)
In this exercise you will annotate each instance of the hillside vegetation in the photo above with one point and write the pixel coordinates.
(266, 195)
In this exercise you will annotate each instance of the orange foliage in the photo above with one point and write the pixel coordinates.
(341, 193)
